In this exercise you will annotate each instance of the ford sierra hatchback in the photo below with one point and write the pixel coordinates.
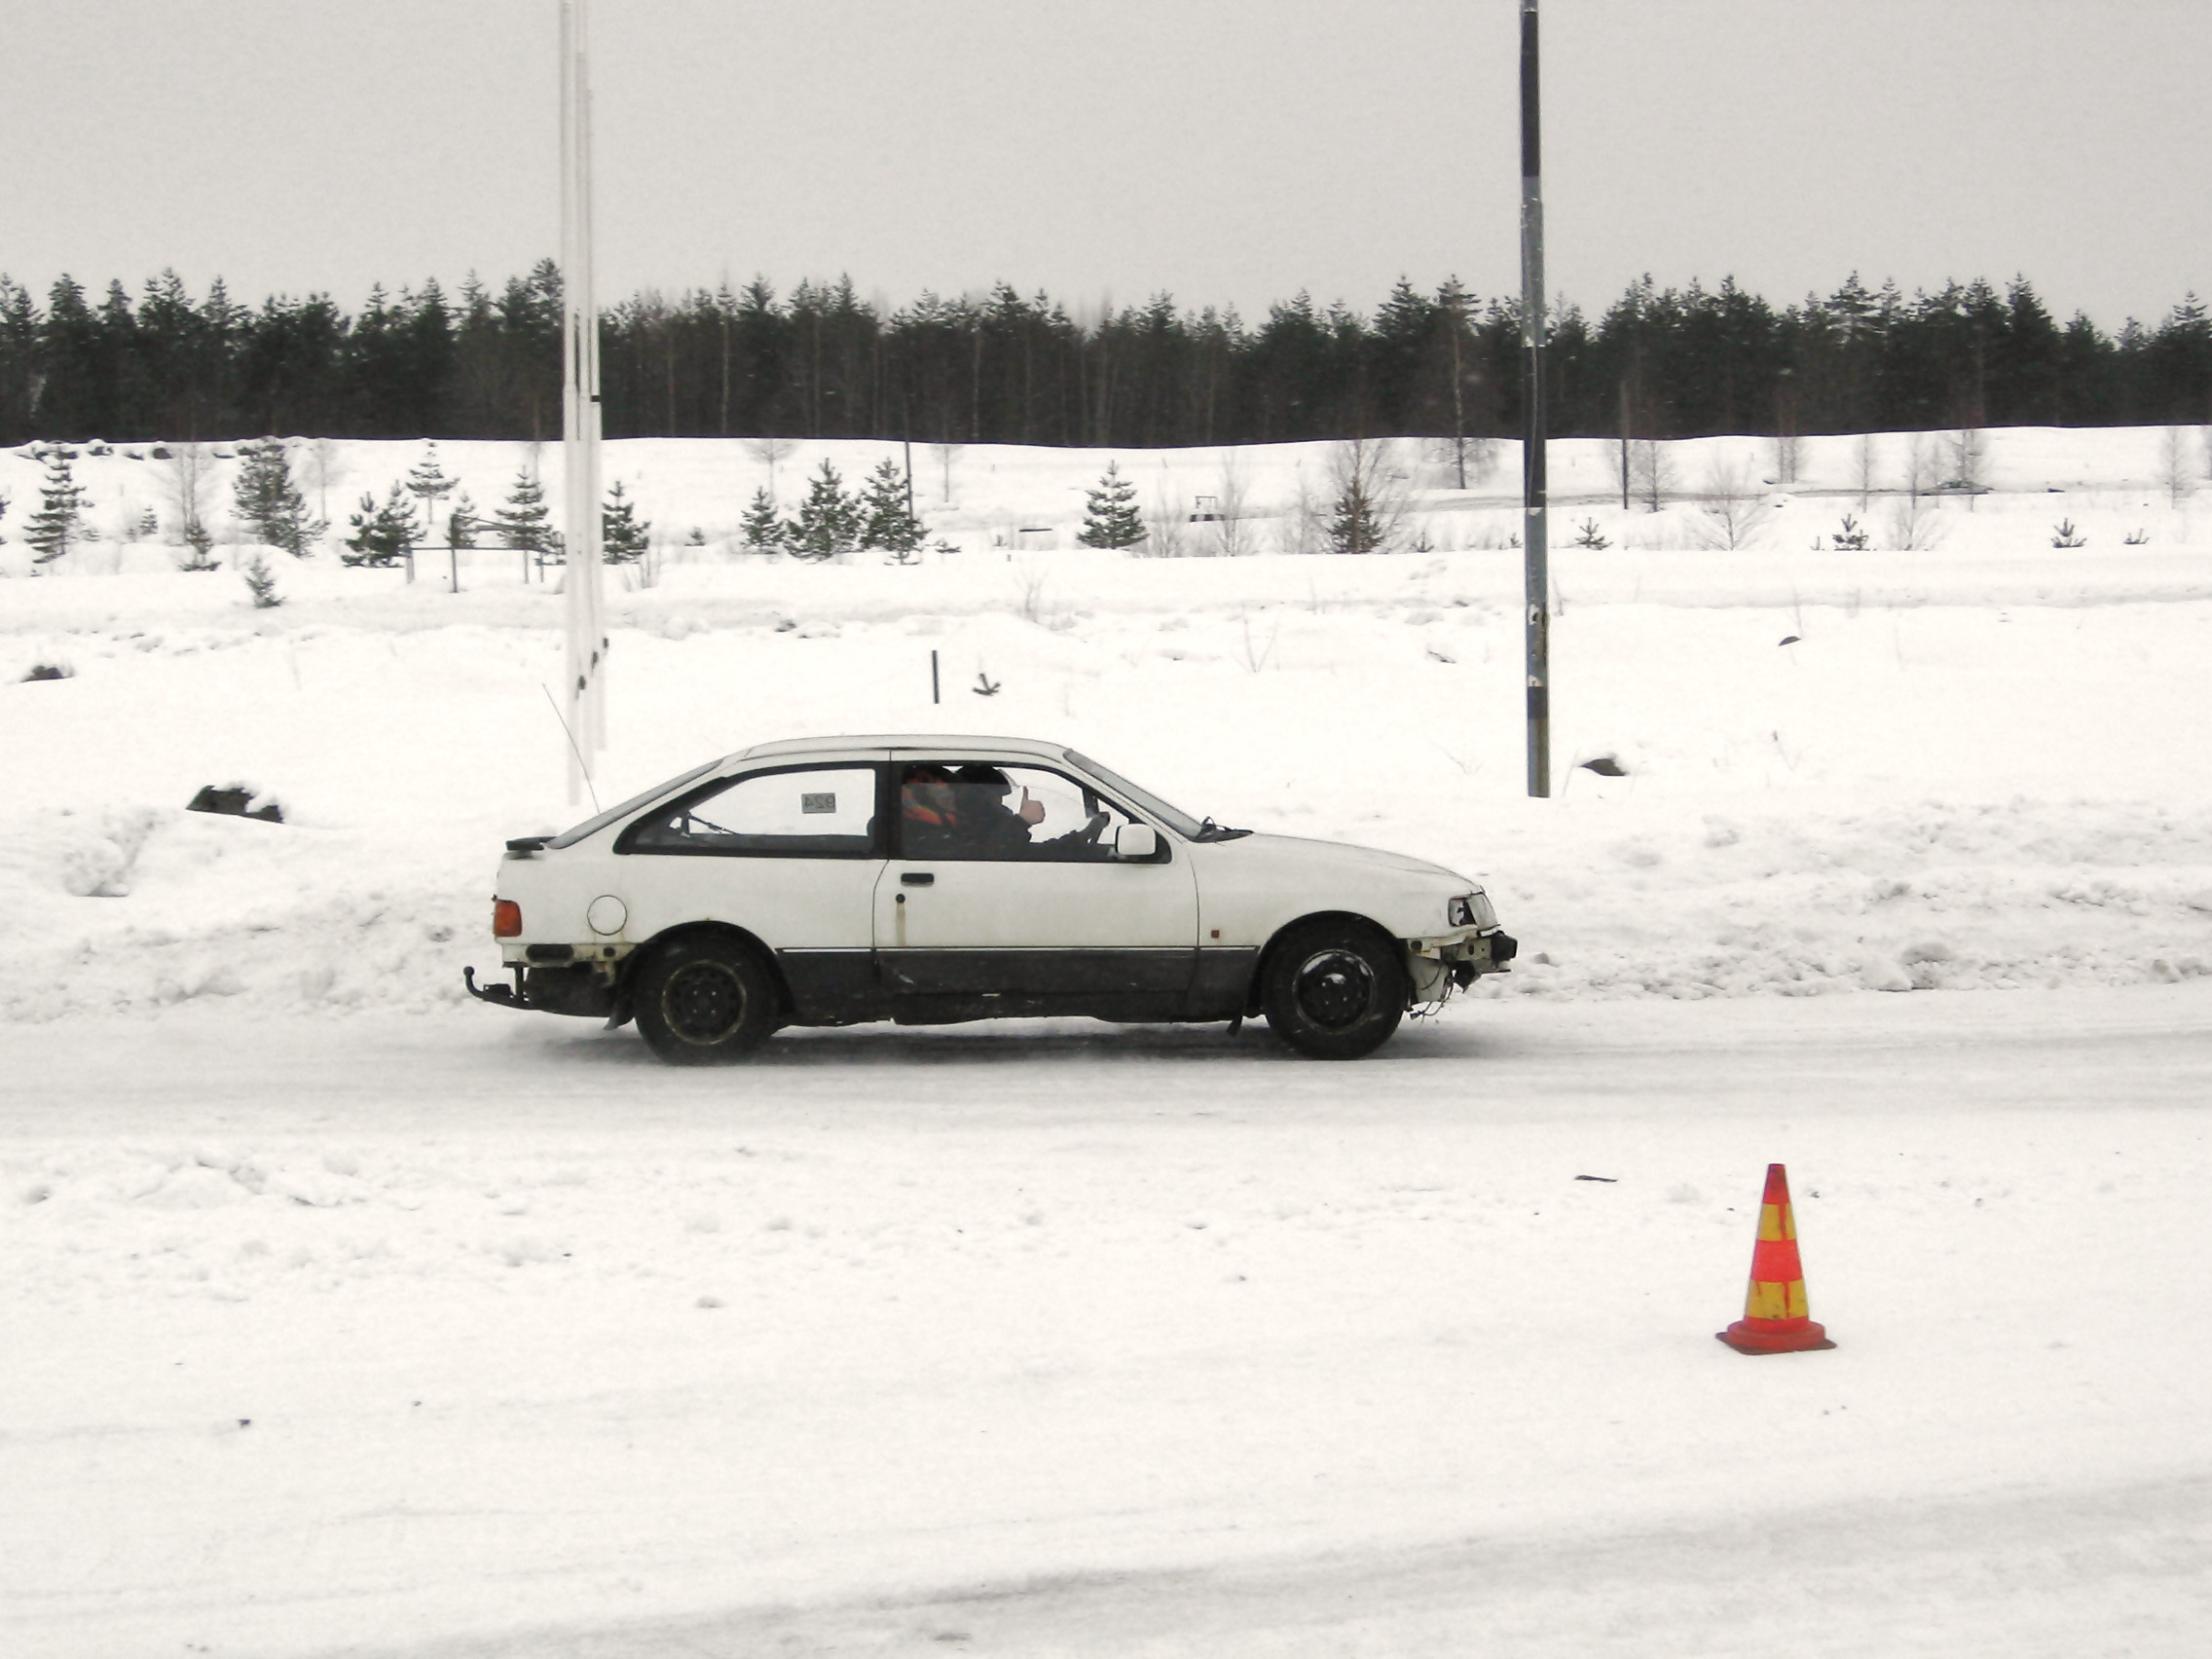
(930, 880)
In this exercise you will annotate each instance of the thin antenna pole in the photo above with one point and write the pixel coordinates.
(1536, 552)
(581, 409)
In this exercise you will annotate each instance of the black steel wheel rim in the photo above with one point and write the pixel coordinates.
(1334, 988)
(703, 1003)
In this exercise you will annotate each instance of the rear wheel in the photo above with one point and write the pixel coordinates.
(703, 1002)
(1334, 990)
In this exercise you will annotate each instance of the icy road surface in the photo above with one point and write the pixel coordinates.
(477, 1334)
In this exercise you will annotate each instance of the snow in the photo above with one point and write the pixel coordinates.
(347, 1316)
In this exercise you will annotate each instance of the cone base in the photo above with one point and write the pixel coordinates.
(1805, 1338)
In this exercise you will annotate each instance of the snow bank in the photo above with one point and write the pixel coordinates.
(1977, 764)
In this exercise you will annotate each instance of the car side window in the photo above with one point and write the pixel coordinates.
(821, 812)
(984, 811)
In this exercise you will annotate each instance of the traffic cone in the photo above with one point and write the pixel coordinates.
(1774, 1317)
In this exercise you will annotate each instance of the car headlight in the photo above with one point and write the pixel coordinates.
(1472, 911)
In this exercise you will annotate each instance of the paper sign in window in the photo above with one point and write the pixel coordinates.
(826, 802)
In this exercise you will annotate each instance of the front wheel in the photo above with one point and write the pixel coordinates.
(703, 1002)
(1334, 990)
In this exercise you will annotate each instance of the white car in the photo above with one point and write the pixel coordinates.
(929, 880)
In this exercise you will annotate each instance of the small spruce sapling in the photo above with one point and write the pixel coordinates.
(260, 582)
(761, 528)
(462, 524)
(2064, 534)
(199, 548)
(623, 536)
(270, 503)
(59, 522)
(524, 522)
(1353, 526)
(1370, 501)
(885, 521)
(1111, 516)
(1587, 536)
(1851, 538)
(428, 484)
(383, 535)
(2136, 538)
(829, 522)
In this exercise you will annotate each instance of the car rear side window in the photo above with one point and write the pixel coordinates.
(613, 813)
(814, 812)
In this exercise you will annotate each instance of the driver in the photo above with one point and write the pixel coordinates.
(1007, 829)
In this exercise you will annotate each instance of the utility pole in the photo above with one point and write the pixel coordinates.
(586, 698)
(1624, 443)
(1536, 555)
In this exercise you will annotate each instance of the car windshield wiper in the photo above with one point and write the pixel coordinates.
(1209, 831)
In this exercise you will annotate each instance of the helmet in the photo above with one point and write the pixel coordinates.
(979, 777)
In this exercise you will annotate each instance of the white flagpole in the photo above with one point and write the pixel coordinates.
(581, 411)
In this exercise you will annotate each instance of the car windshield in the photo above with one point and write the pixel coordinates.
(1182, 822)
(593, 826)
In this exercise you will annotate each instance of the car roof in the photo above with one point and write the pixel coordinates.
(875, 744)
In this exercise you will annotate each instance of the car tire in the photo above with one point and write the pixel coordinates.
(705, 1002)
(1334, 990)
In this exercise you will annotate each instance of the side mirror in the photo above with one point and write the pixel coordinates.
(1135, 841)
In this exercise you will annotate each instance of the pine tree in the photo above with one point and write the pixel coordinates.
(524, 522)
(1111, 517)
(828, 521)
(270, 502)
(885, 521)
(428, 485)
(622, 534)
(382, 536)
(59, 522)
(762, 528)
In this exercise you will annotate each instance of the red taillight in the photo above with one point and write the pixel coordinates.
(506, 919)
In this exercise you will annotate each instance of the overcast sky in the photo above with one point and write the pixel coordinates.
(1226, 151)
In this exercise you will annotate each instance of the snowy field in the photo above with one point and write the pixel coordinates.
(345, 1317)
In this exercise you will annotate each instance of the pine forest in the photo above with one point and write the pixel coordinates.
(822, 362)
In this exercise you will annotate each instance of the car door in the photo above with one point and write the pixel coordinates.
(1008, 899)
(792, 854)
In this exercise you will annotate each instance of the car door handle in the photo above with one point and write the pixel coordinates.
(915, 878)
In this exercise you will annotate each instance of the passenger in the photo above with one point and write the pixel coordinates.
(927, 806)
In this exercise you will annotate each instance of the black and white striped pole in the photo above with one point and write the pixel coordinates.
(586, 698)
(1536, 550)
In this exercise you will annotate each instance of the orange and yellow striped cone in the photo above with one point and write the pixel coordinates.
(1775, 1318)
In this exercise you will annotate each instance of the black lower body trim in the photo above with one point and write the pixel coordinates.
(944, 987)
(1223, 982)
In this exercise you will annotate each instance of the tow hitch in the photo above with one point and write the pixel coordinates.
(584, 989)
(500, 996)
